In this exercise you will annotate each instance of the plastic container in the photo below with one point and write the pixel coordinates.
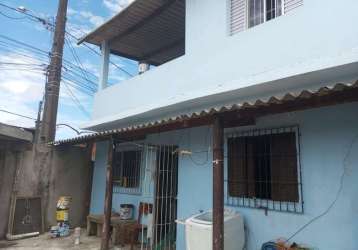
(126, 211)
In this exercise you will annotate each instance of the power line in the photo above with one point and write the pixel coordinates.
(77, 59)
(20, 115)
(34, 119)
(24, 12)
(76, 100)
(79, 83)
(43, 53)
(8, 47)
(10, 17)
(25, 45)
(99, 54)
(78, 87)
(47, 23)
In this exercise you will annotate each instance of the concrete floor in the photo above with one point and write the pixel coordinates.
(45, 241)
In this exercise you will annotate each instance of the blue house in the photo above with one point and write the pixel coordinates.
(241, 105)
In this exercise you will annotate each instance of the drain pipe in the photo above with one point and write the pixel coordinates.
(11, 237)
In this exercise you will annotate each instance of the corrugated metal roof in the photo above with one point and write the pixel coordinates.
(147, 30)
(288, 97)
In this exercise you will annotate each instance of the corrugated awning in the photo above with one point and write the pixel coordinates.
(329, 95)
(147, 30)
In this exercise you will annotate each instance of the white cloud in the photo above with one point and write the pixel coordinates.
(20, 89)
(93, 19)
(82, 22)
(115, 6)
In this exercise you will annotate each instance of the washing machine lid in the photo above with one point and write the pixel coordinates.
(204, 218)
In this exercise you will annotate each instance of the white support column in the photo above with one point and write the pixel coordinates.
(104, 65)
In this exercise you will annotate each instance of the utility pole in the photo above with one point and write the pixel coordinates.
(52, 90)
(42, 150)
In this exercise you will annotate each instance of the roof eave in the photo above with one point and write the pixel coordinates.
(102, 26)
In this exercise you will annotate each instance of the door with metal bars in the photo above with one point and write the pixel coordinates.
(166, 190)
(150, 172)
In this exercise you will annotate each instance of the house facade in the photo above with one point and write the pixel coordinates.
(278, 76)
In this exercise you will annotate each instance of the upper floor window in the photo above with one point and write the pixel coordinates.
(245, 14)
(263, 10)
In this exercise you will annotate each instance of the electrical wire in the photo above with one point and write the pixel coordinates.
(99, 54)
(77, 59)
(77, 80)
(10, 17)
(57, 125)
(66, 63)
(49, 24)
(79, 84)
(336, 197)
(24, 12)
(24, 44)
(205, 162)
(76, 100)
(16, 114)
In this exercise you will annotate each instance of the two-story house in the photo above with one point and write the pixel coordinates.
(252, 106)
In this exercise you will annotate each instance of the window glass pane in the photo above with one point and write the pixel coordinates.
(273, 9)
(278, 8)
(256, 12)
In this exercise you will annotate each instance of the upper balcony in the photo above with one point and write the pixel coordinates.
(150, 32)
(200, 62)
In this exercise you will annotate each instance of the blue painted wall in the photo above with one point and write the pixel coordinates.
(326, 136)
(296, 45)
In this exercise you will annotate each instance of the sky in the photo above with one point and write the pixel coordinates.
(22, 78)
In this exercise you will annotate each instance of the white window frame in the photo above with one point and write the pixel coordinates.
(265, 14)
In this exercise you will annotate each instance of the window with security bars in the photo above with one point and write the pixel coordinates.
(263, 169)
(245, 14)
(127, 170)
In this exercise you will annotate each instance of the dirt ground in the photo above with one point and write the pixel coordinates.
(44, 241)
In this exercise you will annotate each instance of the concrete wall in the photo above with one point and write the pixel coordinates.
(70, 176)
(71, 171)
(8, 162)
(329, 144)
(292, 46)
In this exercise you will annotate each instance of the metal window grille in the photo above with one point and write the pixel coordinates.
(263, 169)
(127, 168)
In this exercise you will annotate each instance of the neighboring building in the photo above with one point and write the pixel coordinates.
(281, 78)
(15, 148)
(71, 173)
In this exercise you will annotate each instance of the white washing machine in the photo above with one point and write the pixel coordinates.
(198, 231)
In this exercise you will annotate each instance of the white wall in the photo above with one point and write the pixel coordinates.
(318, 35)
(327, 138)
